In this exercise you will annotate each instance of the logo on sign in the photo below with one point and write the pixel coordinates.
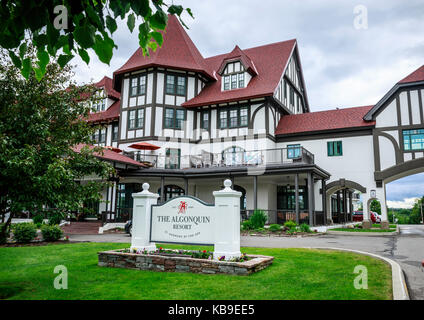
(182, 207)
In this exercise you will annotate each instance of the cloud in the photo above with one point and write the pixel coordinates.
(407, 203)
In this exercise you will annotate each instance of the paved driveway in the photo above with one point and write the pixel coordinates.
(407, 248)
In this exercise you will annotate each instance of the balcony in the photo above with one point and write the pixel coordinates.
(226, 159)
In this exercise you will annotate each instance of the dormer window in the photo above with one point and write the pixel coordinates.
(99, 101)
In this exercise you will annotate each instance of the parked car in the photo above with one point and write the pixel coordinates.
(358, 216)
(128, 227)
(375, 217)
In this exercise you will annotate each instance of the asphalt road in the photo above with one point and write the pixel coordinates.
(407, 248)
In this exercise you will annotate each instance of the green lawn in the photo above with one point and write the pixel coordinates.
(27, 273)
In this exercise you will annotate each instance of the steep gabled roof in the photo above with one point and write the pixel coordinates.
(413, 79)
(238, 54)
(270, 62)
(416, 76)
(178, 51)
(107, 84)
(323, 121)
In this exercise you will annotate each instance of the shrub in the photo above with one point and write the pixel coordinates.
(291, 225)
(304, 227)
(258, 219)
(51, 233)
(55, 218)
(247, 225)
(38, 219)
(24, 232)
(3, 235)
(274, 227)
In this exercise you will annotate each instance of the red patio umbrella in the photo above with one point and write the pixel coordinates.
(144, 146)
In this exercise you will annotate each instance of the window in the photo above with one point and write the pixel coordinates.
(138, 86)
(234, 118)
(285, 90)
(234, 81)
(174, 118)
(102, 135)
(413, 139)
(233, 156)
(115, 128)
(241, 80)
(136, 119)
(171, 191)
(181, 86)
(205, 120)
(223, 121)
(293, 151)
(175, 85)
(286, 198)
(172, 160)
(243, 117)
(291, 96)
(334, 148)
(227, 83)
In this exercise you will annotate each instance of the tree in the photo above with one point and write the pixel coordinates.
(375, 206)
(39, 123)
(73, 27)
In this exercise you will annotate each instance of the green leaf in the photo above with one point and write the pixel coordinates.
(26, 68)
(39, 74)
(15, 59)
(64, 59)
(84, 55)
(84, 35)
(175, 9)
(22, 50)
(141, 7)
(43, 60)
(41, 40)
(104, 48)
(158, 37)
(159, 20)
(152, 45)
(189, 12)
(53, 35)
(131, 22)
(94, 17)
(111, 24)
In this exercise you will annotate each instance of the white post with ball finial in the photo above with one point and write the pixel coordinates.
(140, 234)
(227, 223)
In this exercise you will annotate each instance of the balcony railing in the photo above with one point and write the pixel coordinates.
(226, 159)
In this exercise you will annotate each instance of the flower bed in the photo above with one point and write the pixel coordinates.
(183, 261)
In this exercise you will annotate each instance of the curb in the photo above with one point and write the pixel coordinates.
(368, 234)
(400, 290)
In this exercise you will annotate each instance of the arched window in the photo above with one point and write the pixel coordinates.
(172, 191)
(243, 196)
(233, 156)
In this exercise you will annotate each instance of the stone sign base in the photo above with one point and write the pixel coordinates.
(157, 262)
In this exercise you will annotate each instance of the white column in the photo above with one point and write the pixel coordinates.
(227, 223)
(381, 195)
(366, 221)
(143, 201)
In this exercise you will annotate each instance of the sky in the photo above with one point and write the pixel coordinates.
(343, 65)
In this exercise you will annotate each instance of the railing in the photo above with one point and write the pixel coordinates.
(226, 159)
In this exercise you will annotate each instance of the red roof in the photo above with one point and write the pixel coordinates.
(416, 76)
(324, 120)
(109, 115)
(109, 155)
(177, 51)
(107, 84)
(238, 54)
(270, 61)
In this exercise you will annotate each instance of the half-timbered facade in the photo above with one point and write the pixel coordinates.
(245, 115)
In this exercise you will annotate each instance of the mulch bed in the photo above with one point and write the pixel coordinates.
(281, 234)
(37, 243)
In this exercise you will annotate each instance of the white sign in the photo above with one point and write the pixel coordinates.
(182, 220)
(188, 220)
